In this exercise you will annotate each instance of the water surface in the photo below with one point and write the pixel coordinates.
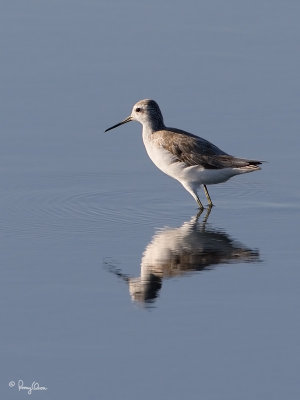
(110, 285)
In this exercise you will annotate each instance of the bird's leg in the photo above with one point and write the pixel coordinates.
(210, 203)
(200, 211)
(199, 202)
(193, 191)
(203, 223)
(207, 214)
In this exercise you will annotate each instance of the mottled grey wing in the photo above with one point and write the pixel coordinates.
(193, 150)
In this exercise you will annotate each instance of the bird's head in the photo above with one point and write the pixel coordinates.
(147, 112)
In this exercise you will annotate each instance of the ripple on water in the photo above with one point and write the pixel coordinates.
(74, 204)
(47, 212)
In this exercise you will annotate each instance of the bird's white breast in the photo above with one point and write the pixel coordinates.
(162, 158)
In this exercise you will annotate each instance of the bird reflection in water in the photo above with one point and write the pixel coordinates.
(173, 252)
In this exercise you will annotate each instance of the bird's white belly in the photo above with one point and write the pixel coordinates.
(193, 175)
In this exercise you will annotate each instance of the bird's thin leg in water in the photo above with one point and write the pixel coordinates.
(203, 222)
(199, 202)
(208, 210)
(200, 211)
(210, 203)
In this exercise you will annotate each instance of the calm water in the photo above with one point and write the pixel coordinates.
(111, 286)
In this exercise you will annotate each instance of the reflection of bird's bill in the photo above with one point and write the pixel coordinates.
(128, 119)
(111, 267)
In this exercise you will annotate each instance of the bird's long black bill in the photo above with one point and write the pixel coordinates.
(120, 123)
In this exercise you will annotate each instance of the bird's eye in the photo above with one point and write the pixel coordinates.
(138, 109)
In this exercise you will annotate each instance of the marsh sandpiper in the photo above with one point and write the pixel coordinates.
(191, 160)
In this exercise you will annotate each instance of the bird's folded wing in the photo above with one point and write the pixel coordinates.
(193, 150)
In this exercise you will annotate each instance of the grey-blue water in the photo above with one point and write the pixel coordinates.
(110, 286)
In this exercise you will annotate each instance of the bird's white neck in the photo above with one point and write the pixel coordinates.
(147, 131)
(153, 124)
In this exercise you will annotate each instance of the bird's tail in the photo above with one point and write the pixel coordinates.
(244, 165)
